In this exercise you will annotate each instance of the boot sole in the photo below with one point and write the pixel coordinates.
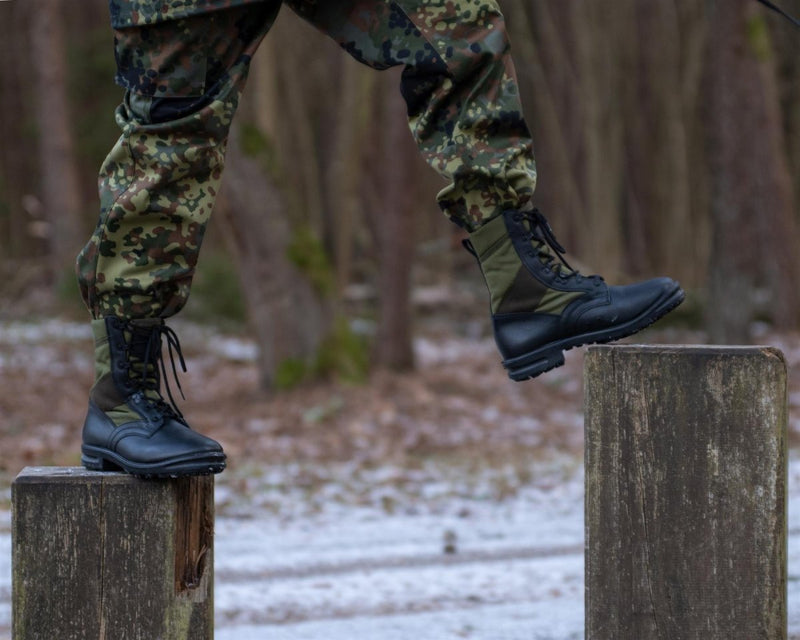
(550, 356)
(98, 459)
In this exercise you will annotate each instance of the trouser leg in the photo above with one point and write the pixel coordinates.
(183, 79)
(459, 85)
(464, 110)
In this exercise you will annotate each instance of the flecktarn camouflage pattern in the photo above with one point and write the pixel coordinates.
(132, 13)
(184, 64)
(159, 182)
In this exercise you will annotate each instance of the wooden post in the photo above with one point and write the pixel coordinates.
(108, 556)
(685, 493)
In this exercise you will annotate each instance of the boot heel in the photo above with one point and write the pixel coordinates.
(95, 463)
(547, 361)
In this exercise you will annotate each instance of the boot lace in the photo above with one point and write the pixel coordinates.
(146, 365)
(777, 9)
(549, 251)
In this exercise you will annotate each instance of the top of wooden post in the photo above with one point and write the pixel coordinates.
(699, 349)
(70, 475)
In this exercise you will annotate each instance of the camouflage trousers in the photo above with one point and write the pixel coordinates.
(184, 64)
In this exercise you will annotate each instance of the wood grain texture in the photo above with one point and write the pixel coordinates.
(685, 493)
(112, 557)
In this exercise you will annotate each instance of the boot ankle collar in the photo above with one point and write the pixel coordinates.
(490, 234)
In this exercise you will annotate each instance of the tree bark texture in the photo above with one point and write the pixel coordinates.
(754, 231)
(60, 191)
(685, 493)
(289, 316)
(393, 225)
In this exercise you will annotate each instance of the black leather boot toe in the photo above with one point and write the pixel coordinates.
(129, 425)
(542, 307)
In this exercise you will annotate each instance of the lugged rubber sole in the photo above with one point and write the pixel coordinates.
(99, 459)
(551, 355)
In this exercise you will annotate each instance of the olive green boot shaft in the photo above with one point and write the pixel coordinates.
(105, 393)
(512, 286)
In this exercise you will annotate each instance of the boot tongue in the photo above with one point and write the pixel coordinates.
(145, 355)
(485, 240)
(548, 249)
(147, 360)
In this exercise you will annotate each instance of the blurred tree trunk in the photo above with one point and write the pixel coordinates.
(786, 38)
(598, 29)
(568, 57)
(392, 220)
(16, 165)
(754, 236)
(344, 171)
(657, 112)
(300, 98)
(549, 94)
(60, 186)
(289, 317)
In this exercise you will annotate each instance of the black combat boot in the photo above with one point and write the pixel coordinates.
(129, 425)
(541, 306)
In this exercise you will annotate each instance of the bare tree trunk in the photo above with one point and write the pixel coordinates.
(657, 143)
(289, 317)
(567, 56)
(754, 234)
(59, 176)
(393, 226)
(15, 164)
(560, 194)
(599, 78)
(785, 37)
(299, 101)
(344, 172)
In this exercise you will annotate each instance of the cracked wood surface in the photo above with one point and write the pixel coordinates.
(112, 557)
(685, 493)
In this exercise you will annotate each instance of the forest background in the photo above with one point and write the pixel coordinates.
(667, 135)
(338, 338)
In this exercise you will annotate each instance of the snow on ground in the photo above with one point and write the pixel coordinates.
(517, 572)
(445, 568)
(543, 620)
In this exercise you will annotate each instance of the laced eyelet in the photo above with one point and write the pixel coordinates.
(539, 234)
(780, 11)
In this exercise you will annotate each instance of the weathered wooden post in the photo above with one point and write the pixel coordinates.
(685, 493)
(110, 557)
